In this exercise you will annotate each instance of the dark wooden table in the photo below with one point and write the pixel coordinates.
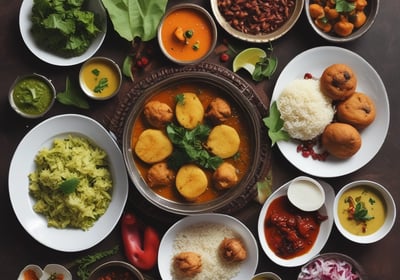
(380, 47)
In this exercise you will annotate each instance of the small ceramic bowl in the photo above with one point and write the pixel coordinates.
(266, 276)
(32, 95)
(371, 196)
(100, 78)
(34, 270)
(306, 193)
(118, 267)
(187, 34)
(370, 11)
(335, 262)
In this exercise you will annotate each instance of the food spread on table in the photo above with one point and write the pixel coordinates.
(192, 144)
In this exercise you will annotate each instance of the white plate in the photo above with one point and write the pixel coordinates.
(25, 25)
(165, 255)
(324, 231)
(22, 163)
(314, 61)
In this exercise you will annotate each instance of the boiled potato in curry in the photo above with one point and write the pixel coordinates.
(203, 126)
(189, 110)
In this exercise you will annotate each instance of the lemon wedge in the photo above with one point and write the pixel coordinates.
(247, 59)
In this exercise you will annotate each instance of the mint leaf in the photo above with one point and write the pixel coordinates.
(274, 123)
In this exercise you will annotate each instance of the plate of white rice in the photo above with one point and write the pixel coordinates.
(314, 61)
(202, 234)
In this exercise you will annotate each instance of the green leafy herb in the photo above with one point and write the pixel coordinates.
(135, 18)
(63, 27)
(84, 263)
(69, 186)
(361, 213)
(189, 147)
(344, 6)
(275, 125)
(266, 67)
(96, 72)
(180, 99)
(127, 67)
(72, 96)
(264, 188)
(102, 84)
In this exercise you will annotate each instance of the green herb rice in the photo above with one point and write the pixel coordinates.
(72, 183)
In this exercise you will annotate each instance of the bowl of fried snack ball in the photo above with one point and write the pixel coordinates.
(341, 21)
(354, 111)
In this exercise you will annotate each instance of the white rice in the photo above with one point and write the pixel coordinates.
(305, 110)
(204, 239)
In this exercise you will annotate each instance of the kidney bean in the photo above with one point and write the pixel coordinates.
(256, 16)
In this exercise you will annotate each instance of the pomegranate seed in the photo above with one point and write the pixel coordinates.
(144, 60)
(224, 57)
(308, 76)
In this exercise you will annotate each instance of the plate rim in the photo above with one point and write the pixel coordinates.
(37, 227)
(300, 260)
(332, 172)
(48, 57)
(218, 218)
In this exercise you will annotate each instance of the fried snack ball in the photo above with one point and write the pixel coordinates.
(232, 250)
(338, 81)
(218, 111)
(341, 140)
(191, 181)
(153, 146)
(187, 264)
(225, 176)
(189, 111)
(358, 110)
(159, 175)
(223, 141)
(158, 114)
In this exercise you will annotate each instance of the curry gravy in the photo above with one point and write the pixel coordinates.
(237, 120)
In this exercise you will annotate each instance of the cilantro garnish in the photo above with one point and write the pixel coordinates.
(189, 147)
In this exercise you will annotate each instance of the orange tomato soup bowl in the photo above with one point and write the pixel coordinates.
(187, 34)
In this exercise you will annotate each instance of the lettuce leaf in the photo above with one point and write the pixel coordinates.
(135, 18)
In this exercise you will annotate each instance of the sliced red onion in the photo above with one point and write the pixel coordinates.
(328, 269)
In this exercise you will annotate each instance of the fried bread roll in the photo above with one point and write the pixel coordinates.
(358, 110)
(341, 140)
(223, 141)
(153, 146)
(189, 112)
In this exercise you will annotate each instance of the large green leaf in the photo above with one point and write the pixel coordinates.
(136, 18)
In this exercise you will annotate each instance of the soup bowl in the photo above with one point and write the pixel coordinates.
(247, 160)
(187, 34)
(364, 211)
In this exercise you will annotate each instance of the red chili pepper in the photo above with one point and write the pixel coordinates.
(141, 253)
